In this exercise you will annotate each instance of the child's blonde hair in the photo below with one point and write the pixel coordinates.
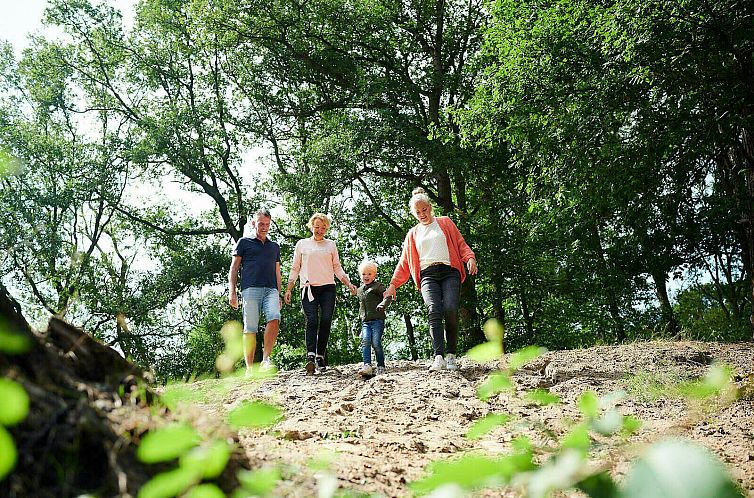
(367, 263)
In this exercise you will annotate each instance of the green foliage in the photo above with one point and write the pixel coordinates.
(260, 482)
(167, 443)
(254, 414)
(8, 453)
(487, 424)
(15, 405)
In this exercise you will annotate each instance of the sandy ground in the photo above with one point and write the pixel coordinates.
(377, 435)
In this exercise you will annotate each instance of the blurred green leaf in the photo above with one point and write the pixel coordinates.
(254, 414)
(167, 443)
(589, 404)
(209, 460)
(12, 342)
(8, 454)
(524, 356)
(205, 491)
(170, 483)
(15, 402)
(542, 397)
(472, 471)
(486, 424)
(494, 330)
(631, 424)
(678, 469)
(609, 423)
(260, 482)
(714, 382)
(611, 399)
(560, 472)
(485, 352)
(495, 383)
(577, 439)
(599, 486)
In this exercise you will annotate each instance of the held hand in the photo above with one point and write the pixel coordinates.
(353, 289)
(471, 265)
(287, 296)
(389, 292)
(233, 301)
(280, 302)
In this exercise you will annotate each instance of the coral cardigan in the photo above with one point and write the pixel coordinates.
(409, 264)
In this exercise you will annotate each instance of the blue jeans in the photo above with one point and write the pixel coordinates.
(371, 337)
(318, 314)
(255, 300)
(441, 290)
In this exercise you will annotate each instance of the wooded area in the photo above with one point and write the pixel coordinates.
(596, 156)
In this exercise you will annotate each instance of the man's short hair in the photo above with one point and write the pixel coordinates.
(262, 212)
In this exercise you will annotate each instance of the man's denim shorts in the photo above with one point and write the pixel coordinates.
(256, 300)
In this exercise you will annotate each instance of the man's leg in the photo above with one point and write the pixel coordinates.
(270, 337)
(272, 312)
(249, 347)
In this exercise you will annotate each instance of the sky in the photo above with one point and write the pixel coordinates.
(19, 18)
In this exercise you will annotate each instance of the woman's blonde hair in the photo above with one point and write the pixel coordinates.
(367, 264)
(321, 217)
(418, 195)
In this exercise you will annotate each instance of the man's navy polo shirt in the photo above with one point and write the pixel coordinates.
(258, 262)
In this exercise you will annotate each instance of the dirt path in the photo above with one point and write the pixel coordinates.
(381, 433)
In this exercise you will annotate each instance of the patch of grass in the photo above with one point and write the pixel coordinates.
(652, 386)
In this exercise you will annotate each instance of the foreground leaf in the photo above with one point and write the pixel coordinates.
(488, 423)
(259, 482)
(15, 402)
(169, 484)
(167, 443)
(254, 414)
(210, 460)
(8, 454)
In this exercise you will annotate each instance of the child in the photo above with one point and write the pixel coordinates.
(372, 314)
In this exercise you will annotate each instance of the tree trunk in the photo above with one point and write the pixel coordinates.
(410, 336)
(670, 324)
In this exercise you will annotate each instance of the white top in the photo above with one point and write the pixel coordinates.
(315, 261)
(431, 245)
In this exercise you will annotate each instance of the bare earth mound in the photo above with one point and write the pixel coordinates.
(385, 430)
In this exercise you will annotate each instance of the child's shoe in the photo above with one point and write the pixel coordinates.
(380, 371)
(366, 370)
(450, 362)
(439, 364)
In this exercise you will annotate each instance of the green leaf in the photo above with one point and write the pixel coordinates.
(577, 439)
(209, 460)
(8, 454)
(589, 404)
(486, 352)
(170, 483)
(495, 383)
(494, 330)
(167, 443)
(12, 342)
(15, 402)
(472, 471)
(260, 482)
(524, 356)
(631, 424)
(488, 423)
(205, 491)
(560, 472)
(678, 469)
(542, 397)
(254, 414)
(599, 486)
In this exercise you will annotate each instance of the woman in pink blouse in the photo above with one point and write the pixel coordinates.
(434, 254)
(315, 262)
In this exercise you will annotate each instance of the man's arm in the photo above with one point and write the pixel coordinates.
(235, 265)
(280, 281)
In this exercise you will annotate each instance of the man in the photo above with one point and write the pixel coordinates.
(258, 259)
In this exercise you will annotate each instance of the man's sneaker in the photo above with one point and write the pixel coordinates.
(321, 367)
(366, 370)
(380, 371)
(439, 364)
(266, 365)
(310, 366)
(450, 360)
(248, 373)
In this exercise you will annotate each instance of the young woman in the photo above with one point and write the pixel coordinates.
(434, 254)
(315, 261)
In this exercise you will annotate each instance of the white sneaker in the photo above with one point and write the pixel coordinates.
(248, 373)
(366, 370)
(450, 360)
(439, 364)
(380, 371)
(266, 365)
